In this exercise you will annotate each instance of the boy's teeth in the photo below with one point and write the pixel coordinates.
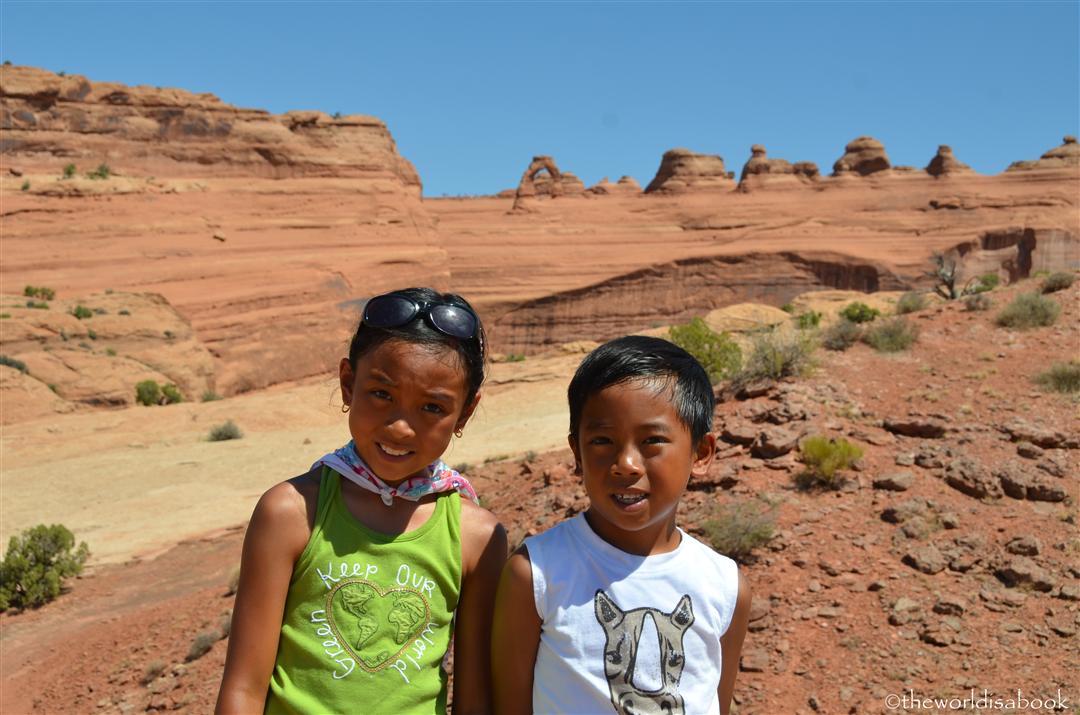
(629, 498)
(394, 452)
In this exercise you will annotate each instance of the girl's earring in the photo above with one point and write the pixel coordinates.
(458, 433)
(344, 409)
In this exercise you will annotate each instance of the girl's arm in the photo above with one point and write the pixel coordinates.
(515, 637)
(276, 536)
(731, 645)
(483, 553)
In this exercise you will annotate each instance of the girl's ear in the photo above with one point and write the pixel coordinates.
(703, 455)
(572, 439)
(467, 412)
(347, 378)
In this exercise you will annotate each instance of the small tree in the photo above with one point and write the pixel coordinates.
(69, 171)
(36, 564)
(717, 352)
(944, 272)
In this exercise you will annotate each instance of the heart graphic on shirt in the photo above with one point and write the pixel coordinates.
(375, 625)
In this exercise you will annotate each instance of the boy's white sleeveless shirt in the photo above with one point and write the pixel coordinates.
(624, 633)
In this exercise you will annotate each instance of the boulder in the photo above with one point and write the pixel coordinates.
(944, 163)
(927, 559)
(862, 156)
(915, 426)
(682, 170)
(968, 476)
(1022, 571)
(894, 481)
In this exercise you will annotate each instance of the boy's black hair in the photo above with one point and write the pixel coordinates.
(418, 331)
(636, 357)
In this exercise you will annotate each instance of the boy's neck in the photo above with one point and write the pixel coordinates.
(651, 541)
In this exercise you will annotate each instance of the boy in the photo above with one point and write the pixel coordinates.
(617, 609)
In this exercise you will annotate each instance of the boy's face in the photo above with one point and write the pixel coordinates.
(636, 457)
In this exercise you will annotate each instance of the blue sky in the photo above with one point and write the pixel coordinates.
(471, 91)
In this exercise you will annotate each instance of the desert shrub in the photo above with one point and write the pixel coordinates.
(234, 581)
(823, 458)
(978, 302)
(36, 564)
(738, 528)
(82, 312)
(202, 644)
(210, 396)
(224, 432)
(982, 284)
(515, 357)
(39, 292)
(717, 352)
(777, 354)
(100, 311)
(92, 334)
(170, 394)
(123, 311)
(788, 308)
(148, 392)
(152, 671)
(36, 305)
(225, 624)
(111, 352)
(910, 302)
(1061, 377)
(530, 456)
(69, 171)
(841, 335)
(25, 185)
(891, 336)
(102, 172)
(807, 321)
(858, 312)
(1028, 310)
(5, 316)
(1057, 281)
(12, 362)
(944, 273)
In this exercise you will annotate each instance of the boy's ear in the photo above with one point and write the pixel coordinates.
(703, 456)
(347, 378)
(572, 439)
(467, 412)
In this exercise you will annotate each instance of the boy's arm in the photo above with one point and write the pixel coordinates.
(731, 645)
(483, 553)
(515, 637)
(276, 536)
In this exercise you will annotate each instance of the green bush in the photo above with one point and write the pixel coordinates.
(102, 172)
(111, 352)
(1061, 377)
(808, 321)
(1057, 281)
(859, 312)
(37, 306)
(36, 564)
(202, 644)
(82, 312)
(69, 171)
(170, 394)
(823, 458)
(891, 336)
(210, 396)
(983, 284)
(39, 292)
(911, 302)
(12, 362)
(225, 432)
(515, 357)
(25, 185)
(123, 311)
(777, 354)
(788, 308)
(977, 302)
(841, 335)
(1028, 310)
(148, 393)
(717, 352)
(738, 528)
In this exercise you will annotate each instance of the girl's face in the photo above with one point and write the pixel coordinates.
(405, 401)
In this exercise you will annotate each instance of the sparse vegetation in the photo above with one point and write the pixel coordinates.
(102, 172)
(170, 393)
(1057, 281)
(823, 459)
(39, 292)
(123, 311)
(1028, 310)
(91, 333)
(891, 336)
(152, 671)
(777, 354)
(982, 284)
(202, 644)
(224, 432)
(788, 308)
(110, 352)
(717, 352)
(858, 312)
(5, 316)
(977, 302)
(738, 528)
(82, 312)
(36, 305)
(210, 396)
(148, 393)
(25, 185)
(12, 362)
(36, 564)
(944, 272)
(910, 302)
(234, 581)
(530, 456)
(841, 335)
(1061, 377)
(809, 320)
(515, 357)
(69, 171)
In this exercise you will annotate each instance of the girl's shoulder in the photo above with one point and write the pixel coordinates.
(290, 505)
(480, 532)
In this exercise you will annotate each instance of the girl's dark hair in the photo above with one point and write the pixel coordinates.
(420, 332)
(637, 357)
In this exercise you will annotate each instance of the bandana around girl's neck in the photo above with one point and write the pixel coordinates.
(438, 477)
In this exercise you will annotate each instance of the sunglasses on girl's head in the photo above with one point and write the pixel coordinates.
(393, 310)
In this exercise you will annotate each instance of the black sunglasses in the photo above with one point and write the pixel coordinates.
(392, 310)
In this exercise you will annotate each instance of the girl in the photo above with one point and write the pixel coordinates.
(355, 575)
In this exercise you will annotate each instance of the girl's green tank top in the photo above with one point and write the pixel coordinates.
(367, 620)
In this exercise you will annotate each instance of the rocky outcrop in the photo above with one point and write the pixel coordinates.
(1018, 251)
(862, 156)
(683, 170)
(945, 163)
(1066, 156)
(625, 185)
(50, 121)
(534, 183)
(760, 172)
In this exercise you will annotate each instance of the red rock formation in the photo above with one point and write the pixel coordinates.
(863, 156)
(1065, 156)
(761, 171)
(945, 163)
(683, 170)
(50, 121)
(625, 185)
(527, 189)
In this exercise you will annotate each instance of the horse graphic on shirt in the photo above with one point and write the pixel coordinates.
(622, 631)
